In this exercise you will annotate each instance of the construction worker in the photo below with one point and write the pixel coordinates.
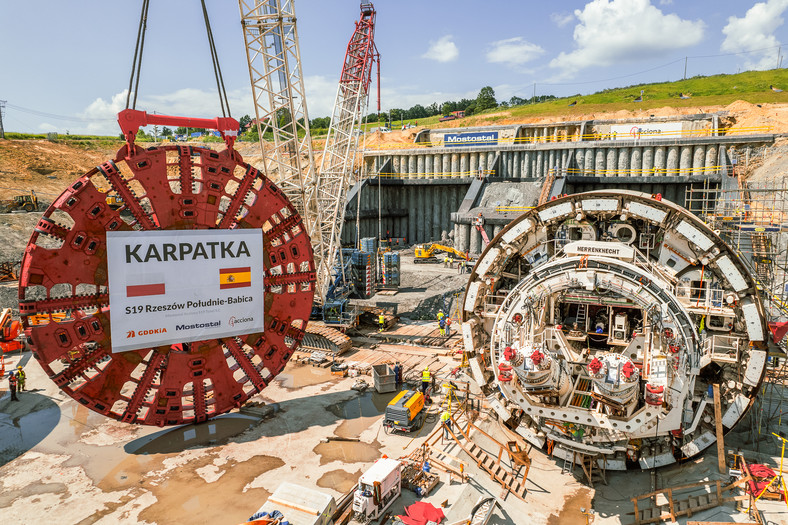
(446, 422)
(21, 377)
(12, 384)
(448, 326)
(425, 380)
(441, 315)
(397, 374)
(442, 326)
(381, 322)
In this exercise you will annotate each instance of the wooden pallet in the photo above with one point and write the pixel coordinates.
(676, 506)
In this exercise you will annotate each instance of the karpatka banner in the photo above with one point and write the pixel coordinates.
(168, 287)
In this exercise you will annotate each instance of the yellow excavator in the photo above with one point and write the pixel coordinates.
(26, 203)
(425, 253)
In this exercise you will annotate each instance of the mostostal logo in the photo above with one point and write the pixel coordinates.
(130, 334)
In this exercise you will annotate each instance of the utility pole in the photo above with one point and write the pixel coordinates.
(534, 97)
(685, 68)
(2, 109)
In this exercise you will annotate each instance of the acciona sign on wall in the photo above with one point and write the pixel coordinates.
(651, 130)
(168, 287)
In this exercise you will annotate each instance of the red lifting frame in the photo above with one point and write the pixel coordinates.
(131, 120)
(361, 52)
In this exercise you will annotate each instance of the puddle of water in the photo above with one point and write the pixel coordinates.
(570, 513)
(347, 452)
(130, 472)
(210, 433)
(21, 433)
(300, 375)
(81, 419)
(339, 480)
(360, 413)
(186, 498)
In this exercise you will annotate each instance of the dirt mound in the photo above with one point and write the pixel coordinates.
(44, 166)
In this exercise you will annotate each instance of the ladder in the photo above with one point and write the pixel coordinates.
(582, 312)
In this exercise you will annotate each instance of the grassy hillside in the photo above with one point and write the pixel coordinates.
(717, 90)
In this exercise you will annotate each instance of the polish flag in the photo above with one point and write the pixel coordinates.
(145, 285)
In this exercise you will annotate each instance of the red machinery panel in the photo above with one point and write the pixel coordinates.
(169, 187)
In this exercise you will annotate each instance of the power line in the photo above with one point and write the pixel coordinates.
(2, 108)
(57, 117)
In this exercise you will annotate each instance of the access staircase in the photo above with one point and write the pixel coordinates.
(506, 477)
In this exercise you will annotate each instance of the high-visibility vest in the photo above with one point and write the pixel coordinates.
(425, 376)
(445, 416)
(381, 319)
(440, 315)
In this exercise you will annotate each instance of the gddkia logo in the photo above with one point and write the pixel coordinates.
(234, 320)
(151, 331)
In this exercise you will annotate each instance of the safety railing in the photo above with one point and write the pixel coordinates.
(432, 174)
(723, 348)
(613, 172)
(558, 138)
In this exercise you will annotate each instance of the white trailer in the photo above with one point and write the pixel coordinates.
(377, 489)
(301, 505)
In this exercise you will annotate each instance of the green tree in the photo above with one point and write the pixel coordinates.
(471, 109)
(448, 107)
(517, 101)
(166, 132)
(486, 99)
(245, 122)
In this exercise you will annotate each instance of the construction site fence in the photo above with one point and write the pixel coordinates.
(633, 172)
(554, 138)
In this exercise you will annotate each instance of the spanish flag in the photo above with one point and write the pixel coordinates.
(235, 277)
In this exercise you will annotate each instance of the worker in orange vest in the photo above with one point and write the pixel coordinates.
(12, 384)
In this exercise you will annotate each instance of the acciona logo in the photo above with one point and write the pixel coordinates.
(239, 320)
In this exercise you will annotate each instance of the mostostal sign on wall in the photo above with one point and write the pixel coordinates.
(168, 287)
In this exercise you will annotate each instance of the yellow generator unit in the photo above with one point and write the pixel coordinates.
(405, 412)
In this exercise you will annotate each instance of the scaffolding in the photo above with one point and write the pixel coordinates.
(753, 220)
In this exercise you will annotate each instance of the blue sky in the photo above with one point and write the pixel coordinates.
(66, 65)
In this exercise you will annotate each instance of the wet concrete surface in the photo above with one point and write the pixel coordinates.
(25, 423)
(339, 480)
(301, 375)
(574, 509)
(360, 413)
(347, 451)
(208, 434)
(185, 498)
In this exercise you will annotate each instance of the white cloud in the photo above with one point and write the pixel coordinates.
(561, 19)
(321, 93)
(754, 32)
(613, 31)
(513, 52)
(188, 102)
(47, 127)
(443, 50)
